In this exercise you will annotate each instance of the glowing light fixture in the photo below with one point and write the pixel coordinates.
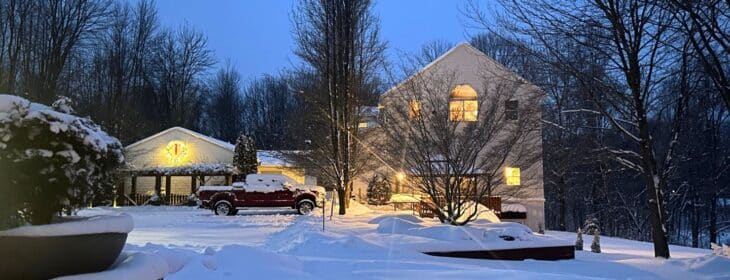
(400, 176)
(177, 152)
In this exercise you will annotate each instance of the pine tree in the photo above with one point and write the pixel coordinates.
(378, 190)
(579, 241)
(244, 156)
(596, 245)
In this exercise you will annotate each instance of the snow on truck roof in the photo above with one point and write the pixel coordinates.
(265, 183)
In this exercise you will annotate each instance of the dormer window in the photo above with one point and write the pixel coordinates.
(463, 104)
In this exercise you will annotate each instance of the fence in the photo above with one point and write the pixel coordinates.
(138, 199)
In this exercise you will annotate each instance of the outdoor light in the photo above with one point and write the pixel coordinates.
(176, 151)
(400, 176)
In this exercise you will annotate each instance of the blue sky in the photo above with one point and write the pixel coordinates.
(256, 34)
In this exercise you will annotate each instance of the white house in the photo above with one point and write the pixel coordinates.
(174, 162)
(467, 87)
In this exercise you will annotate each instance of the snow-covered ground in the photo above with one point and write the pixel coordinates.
(278, 244)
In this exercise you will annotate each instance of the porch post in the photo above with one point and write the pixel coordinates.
(192, 184)
(133, 190)
(158, 185)
(228, 180)
(168, 181)
(119, 193)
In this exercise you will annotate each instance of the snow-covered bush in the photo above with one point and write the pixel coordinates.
(590, 225)
(579, 241)
(596, 244)
(51, 161)
(379, 191)
(720, 250)
(244, 156)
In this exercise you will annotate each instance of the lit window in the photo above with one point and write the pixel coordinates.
(414, 111)
(511, 110)
(463, 104)
(362, 125)
(512, 176)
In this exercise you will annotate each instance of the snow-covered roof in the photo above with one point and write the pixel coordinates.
(369, 111)
(192, 169)
(274, 158)
(218, 142)
(516, 207)
(463, 46)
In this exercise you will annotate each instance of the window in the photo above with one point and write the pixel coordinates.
(414, 111)
(463, 104)
(512, 176)
(511, 111)
(362, 125)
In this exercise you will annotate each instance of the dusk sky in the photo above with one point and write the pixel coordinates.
(256, 35)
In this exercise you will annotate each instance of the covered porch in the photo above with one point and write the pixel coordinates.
(145, 186)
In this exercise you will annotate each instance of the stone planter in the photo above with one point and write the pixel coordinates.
(72, 246)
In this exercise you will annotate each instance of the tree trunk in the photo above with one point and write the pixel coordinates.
(562, 202)
(341, 196)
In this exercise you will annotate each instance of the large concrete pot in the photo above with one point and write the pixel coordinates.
(72, 246)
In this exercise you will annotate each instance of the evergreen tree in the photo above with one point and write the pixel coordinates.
(579, 241)
(378, 190)
(244, 155)
(596, 245)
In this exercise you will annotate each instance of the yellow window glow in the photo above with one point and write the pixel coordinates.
(177, 152)
(512, 176)
(463, 110)
(414, 111)
(362, 125)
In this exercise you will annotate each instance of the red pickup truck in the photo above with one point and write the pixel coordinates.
(261, 190)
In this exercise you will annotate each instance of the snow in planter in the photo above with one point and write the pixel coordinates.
(51, 161)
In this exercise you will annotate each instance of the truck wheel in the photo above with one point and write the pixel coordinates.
(223, 208)
(305, 207)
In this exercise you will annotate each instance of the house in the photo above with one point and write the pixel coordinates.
(186, 159)
(464, 89)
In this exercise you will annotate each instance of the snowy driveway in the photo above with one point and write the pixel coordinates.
(197, 228)
(190, 243)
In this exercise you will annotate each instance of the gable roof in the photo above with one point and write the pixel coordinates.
(214, 141)
(461, 47)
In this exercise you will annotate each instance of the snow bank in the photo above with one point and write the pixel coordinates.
(129, 266)
(80, 225)
(407, 217)
(357, 209)
(396, 225)
(716, 266)
(242, 262)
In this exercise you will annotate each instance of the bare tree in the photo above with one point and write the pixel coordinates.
(224, 109)
(631, 35)
(339, 40)
(707, 26)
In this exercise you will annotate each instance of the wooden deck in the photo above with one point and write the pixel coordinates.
(518, 254)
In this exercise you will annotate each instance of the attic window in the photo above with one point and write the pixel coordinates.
(463, 104)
